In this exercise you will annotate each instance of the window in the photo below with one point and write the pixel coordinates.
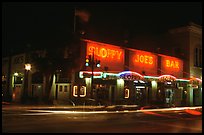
(65, 88)
(75, 91)
(198, 57)
(83, 91)
(126, 93)
(60, 88)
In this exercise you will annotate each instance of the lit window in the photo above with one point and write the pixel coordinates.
(75, 91)
(126, 93)
(82, 91)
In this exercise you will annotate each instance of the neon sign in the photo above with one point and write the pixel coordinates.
(82, 91)
(75, 91)
(144, 59)
(105, 52)
(143, 62)
(127, 93)
(111, 57)
(83, 74)
(129, 75)
(164, 78)
(195, 80)
(172, 64)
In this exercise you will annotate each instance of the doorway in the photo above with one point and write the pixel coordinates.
(168, 97)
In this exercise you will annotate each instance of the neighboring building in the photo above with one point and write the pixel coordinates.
(5, 77)
(17, 77)
(187, 44)
(19, 85)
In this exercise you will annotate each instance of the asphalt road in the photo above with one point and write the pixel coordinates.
(46, 120)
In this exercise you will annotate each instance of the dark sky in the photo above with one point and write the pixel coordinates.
(49, 24)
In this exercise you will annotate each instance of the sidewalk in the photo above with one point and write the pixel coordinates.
(91, 108)
(72, 108)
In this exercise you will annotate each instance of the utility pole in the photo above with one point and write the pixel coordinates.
(92, 69)
(91, 62)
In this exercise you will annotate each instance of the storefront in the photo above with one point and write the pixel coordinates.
(150, 78)
(195, 92)
(129, 76)
(113, 75)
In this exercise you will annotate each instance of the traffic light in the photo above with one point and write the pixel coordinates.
(88, 60)
(98, 63)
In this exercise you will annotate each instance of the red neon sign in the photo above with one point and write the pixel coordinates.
(172, 64)
(146, 59)
(142, 62)
(167, 78)
(195, 80)
(110, 56)
(105, 52)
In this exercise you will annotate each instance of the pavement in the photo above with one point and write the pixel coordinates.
(73, 108)
(93, 108)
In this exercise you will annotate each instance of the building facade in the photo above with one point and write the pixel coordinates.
(5, 79)
(130, 76)
(116, 75)
(188, 42)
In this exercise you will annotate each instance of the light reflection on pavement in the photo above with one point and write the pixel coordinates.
(63, 120)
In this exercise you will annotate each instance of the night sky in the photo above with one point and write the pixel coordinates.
(50, 24)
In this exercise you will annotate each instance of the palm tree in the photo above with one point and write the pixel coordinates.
(48, 61)
(46, 64)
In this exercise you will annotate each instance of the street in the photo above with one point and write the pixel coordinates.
(17, 119)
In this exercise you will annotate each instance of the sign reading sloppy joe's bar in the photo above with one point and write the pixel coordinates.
(109, 55)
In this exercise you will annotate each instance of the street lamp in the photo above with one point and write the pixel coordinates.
(27, 69)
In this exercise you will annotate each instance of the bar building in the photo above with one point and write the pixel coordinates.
(132, 76)
(125, 76)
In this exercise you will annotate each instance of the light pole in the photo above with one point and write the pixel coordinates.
(91, 62)
(27, 69)
(92, 69)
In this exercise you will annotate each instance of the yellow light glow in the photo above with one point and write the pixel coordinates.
(144, 59)
(28, 66)
(172, 64)
(108, 52)
(154, 83)
(15, 74)
(120, 81)
(167, 77)
(127, 93)
(83, 88)
(75, 91)
(88, 81)
(13, 96)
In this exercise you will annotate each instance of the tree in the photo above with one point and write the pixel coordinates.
(50, 60)
(46, 64)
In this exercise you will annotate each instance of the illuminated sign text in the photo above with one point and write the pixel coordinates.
(172, 64)
(144, 59)
(105, 52)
